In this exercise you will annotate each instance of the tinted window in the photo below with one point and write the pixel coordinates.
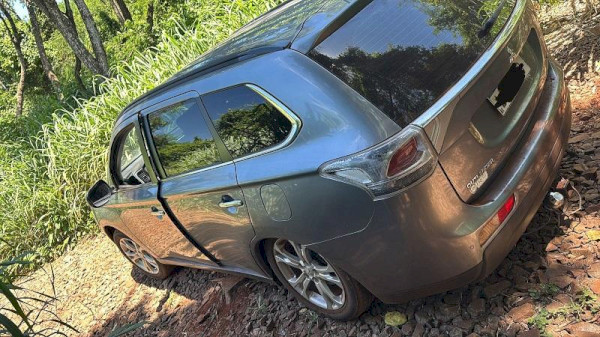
(182, 139)
(402, 55)
(245, 121)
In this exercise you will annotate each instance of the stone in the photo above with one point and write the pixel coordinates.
(495, 289)
(594, 270)
(522, 312)
(595, 286)
(476, 307)
(419, 331)
(452, 299)
(408, 328)
(530, 333)
(584, 328)
(447, 312)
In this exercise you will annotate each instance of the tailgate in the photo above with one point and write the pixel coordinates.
(491, 117)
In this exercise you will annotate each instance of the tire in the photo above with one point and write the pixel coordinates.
(148, 265)
(350, 298)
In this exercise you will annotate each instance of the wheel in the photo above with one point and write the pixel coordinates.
(316, 283)
(141, 259)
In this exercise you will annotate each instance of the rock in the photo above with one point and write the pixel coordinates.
(495, 289)
(584, 328)
(522, 312)
(530, 333)
(476, 307)
(595, 286)
(452, 299)
(594, 270)
(593, 235)
(419, 331)
(446, 313)
(578, 138)
(408, 328)
(551, 247)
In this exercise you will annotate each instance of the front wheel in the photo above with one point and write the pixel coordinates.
(140, 258)
(315, 282)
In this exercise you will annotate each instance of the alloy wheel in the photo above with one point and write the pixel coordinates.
(309, 274)
(138, 256)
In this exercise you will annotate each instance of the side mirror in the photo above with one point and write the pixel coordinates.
(99, 194)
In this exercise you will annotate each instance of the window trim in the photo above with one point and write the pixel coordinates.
(295, 121)
(115, 152)
(192, 96)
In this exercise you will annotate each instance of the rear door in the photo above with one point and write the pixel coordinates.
(137, 198)
(198, 180)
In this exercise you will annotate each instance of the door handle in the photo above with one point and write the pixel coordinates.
(157, 212)
(231, 203)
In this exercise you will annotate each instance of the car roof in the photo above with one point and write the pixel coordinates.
(278, 29)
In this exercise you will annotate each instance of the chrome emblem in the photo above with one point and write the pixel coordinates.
(481, 177)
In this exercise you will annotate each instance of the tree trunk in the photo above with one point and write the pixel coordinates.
(150, 18)
(77, 71)
(94, 34)
(121, 11)
(69, 31)
(15, 37)
(39, 42)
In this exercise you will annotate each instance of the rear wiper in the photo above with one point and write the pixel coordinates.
(487, 26)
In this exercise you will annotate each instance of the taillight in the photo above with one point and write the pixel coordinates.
(494, 223)
(389, 167)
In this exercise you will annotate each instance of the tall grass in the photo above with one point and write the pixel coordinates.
(48, 161)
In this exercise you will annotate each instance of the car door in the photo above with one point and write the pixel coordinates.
(198, 180)
(136, 198)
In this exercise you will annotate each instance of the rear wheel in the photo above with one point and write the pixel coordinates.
(315, 282)
(140, 258)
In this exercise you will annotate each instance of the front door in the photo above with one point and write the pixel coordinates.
(136, 200)
(198, 180)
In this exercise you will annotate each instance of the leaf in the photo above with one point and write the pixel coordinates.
(126, 328)
(10, 326)
(593, 235)
(395, 318)
(14, 302)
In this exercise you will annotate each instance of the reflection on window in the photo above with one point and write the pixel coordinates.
(245, 121)
(402, 55)
(182, 139)
(131, 149)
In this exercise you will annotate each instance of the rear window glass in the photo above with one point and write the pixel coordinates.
(182, 139)
(245, 121)
(402, 55)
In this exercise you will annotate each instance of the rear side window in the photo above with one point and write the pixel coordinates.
(182, 139)
(402, 55)
(245, 121)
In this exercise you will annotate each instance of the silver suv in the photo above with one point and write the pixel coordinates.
(347, 149)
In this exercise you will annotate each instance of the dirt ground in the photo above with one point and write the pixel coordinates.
(548, 285)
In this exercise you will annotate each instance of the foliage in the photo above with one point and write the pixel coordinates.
(53, 154)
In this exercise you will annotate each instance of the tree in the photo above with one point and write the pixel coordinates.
(16, 39)
(121, 10)
(39, 42)
(96, 63)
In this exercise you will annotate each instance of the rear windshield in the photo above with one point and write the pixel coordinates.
(402, 55)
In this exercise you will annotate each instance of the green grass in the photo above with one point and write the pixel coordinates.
(51, 156)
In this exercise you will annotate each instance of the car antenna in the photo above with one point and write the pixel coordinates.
(487, 26)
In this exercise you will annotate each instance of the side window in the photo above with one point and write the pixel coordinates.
(130, 165)
(182, 138)
(245, 121)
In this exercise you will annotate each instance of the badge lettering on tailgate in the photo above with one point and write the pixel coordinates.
(480, 179)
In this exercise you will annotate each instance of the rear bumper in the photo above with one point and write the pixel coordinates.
(424, 241)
